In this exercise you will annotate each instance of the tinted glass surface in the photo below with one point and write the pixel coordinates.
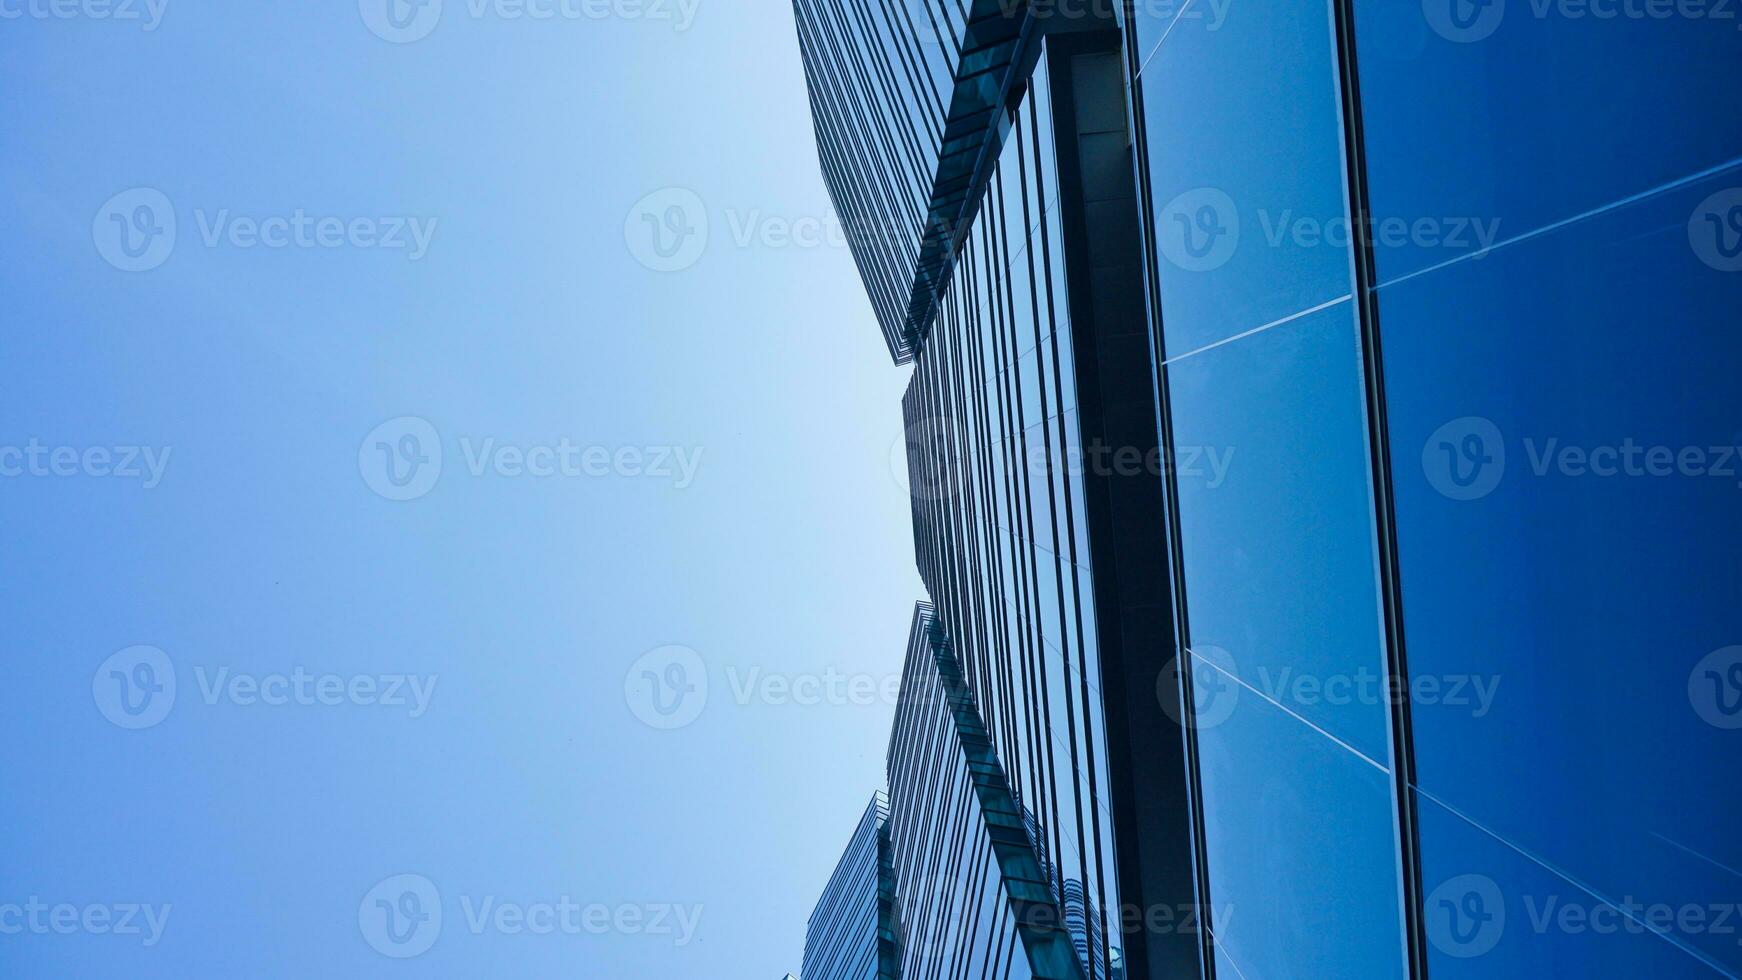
(1244, 148)
(1564, 417)
(1277, 521)
(1289, 668)
(1304, 880)
(1531, 112)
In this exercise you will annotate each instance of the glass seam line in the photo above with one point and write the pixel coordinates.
(1587, 889)
(1156, 47)
(1644, 195)
(1709, 860)
(1346, 297)
(1292, 713)
(1216, 940)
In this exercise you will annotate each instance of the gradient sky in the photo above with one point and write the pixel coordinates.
(521, 147)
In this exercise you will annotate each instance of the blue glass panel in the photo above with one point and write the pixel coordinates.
(1491, 911)
(1301, 852)
(1564, 415)
(1247, 185)
(1528, 113)
(1159, 19)
(1279, 555)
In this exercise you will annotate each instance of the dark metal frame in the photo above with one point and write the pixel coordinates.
(1364, 283)
(1149, 762)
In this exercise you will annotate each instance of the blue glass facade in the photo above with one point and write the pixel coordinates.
(880, 87)
(974, 899)
(1029, 354)
(851, 934)
(1000, 518)
(1409, 293)
(1438, 670)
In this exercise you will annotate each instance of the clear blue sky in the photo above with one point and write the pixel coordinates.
(261, 551)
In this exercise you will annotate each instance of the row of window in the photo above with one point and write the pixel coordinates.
(999, 519)
(881, 76)
(954, 918)
(842, 937)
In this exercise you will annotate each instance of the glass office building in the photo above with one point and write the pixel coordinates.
(851, 934)
(1420, 650)
(1010, 276)
(976, 902)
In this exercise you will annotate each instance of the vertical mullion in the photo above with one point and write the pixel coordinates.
(1363, 282)
(1185, 668)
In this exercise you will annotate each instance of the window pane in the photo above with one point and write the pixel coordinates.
(1247, 184)
(1564, 414)
(1529, 113)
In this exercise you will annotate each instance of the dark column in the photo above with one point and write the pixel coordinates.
(1148, 757)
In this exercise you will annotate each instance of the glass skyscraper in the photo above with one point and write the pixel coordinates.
(975, 899)
(1323, 444)
(851, 934)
